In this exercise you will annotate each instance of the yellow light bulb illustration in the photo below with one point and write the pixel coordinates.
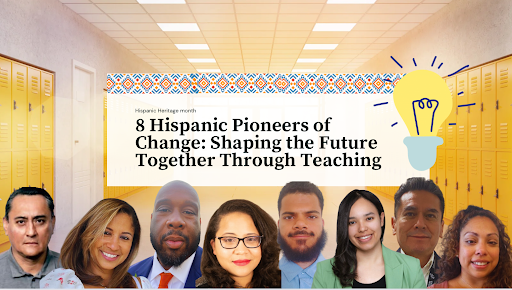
(424, 101)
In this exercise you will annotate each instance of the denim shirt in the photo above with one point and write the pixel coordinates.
(293, 276)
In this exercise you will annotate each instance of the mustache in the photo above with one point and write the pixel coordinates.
(301, 233)
(174, 233)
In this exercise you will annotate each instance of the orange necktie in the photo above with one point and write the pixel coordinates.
(164, 280)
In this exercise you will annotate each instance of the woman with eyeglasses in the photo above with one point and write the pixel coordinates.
(240, 248)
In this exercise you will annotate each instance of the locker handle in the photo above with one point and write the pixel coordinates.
(446, 182)
(457, 185)
(482, 190)
(29, 107)
(497, 104)
(469, 187)
(15, 107)
(468, 109)
(42, 186)
(497, 194)
(456, 110)
(436, 179)
(42, 109)
(482, 107)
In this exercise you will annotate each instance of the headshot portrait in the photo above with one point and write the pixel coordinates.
(361, 261)
(301, 233)
(476, 252)
(418, 223)
(99, 249)
(240, 248)
(175, 233)
(29, 223)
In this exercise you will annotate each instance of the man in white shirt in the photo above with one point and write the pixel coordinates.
(175, 234)
(418, 223)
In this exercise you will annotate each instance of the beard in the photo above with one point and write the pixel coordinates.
(304, 254)
(168, 257)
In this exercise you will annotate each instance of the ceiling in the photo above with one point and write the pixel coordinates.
(255, 36)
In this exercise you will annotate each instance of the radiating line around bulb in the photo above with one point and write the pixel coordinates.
(452, 123)
(375, 105)
(397, 62)
(394, 124)
(434, 61)
(413, 60)
(460, 93)
(459, 70)
(466, 105)
(440, 65)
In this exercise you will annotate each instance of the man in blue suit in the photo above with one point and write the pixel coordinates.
(175, 234)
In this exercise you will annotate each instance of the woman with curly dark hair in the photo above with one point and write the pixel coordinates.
(361, 261)
(476, 252)
(240, 248)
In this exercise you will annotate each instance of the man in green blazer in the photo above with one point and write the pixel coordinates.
(401, 271)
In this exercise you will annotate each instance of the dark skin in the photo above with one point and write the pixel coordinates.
(175, 219)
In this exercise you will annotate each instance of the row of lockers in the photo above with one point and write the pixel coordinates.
(26, 130)
(485, 96)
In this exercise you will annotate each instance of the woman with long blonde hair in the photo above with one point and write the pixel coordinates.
(99, 250)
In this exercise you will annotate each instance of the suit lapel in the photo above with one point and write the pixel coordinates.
(393, 269)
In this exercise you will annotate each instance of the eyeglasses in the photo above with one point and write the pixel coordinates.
(232, 242)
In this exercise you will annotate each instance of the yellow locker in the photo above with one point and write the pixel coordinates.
(19, 105)
(47, 170)
(474, 111)
(34, 111)
(504, 103)
(442, 134)
(451, 121)
(462, 112)
(488, 106)
(34, 168)
(5, 187)
(475, 178)
(5, 104)
(489, 180)
(441, 172)
(462, 179)
(46, 110)
(451, 183)
(433, 171)
(19, 169)
(504, 184)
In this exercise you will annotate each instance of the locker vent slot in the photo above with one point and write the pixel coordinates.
(4, 170)
(462, 133)
(474, 133)
(35, 85)
(487, 132)
(47, 88)
(20, 134)
(487, 167)
(474, 85)
(34, 163)
(440, 162)
(4, 78)
(504, 78)
(47, 134)
(473, 166)
(504, 132)
(4, 130)
(461, 88)
(503, 169)
(450, 164)
(34, 133)
(47, 164)
(449, 134)
(20, 81)
(450, 87)
(20, 168)
(461, 168)
(488, 82)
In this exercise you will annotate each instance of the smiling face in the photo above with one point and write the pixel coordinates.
(301, 227)
(479, 248)
(175, 224)
(29, 227)
(364, 225)
(112, 249)
(418, 224)
(241, 261)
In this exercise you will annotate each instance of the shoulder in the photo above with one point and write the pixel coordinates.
(325, 266)
(141, 267)
(61, 278)
(403, 259)
(5, 255)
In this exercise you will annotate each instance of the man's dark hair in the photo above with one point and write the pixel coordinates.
(29, 191)
(305, 187)
(418, 183)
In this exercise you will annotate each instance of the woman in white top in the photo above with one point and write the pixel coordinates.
(99, 250)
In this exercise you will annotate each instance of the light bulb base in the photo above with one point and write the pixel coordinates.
(422, 151)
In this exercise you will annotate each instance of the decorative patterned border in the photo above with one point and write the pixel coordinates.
(252, 83)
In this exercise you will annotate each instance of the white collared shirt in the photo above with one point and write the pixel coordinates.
(180, 273)
(426, 268)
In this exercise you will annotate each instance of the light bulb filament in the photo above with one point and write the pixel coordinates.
(421, 104)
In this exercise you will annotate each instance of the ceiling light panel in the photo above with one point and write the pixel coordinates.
(333, 26)
(178, 26)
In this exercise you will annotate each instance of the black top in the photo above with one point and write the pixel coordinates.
(378, 284)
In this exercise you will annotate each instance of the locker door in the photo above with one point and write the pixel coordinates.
(19, 169)
(489, 180)
(5, 104)
(442, 134)
(488, 106)
(474, 111)
(451, 121)
(451, 184)
(19, 105)
(475, 178)
(462, 179)
(433, 171)
(441, 172)
(34, 168)
(47, 170)
(504, 103)
(504, 183)
(34, 110)
(5, 188)
(46, 110)
(462, 112)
